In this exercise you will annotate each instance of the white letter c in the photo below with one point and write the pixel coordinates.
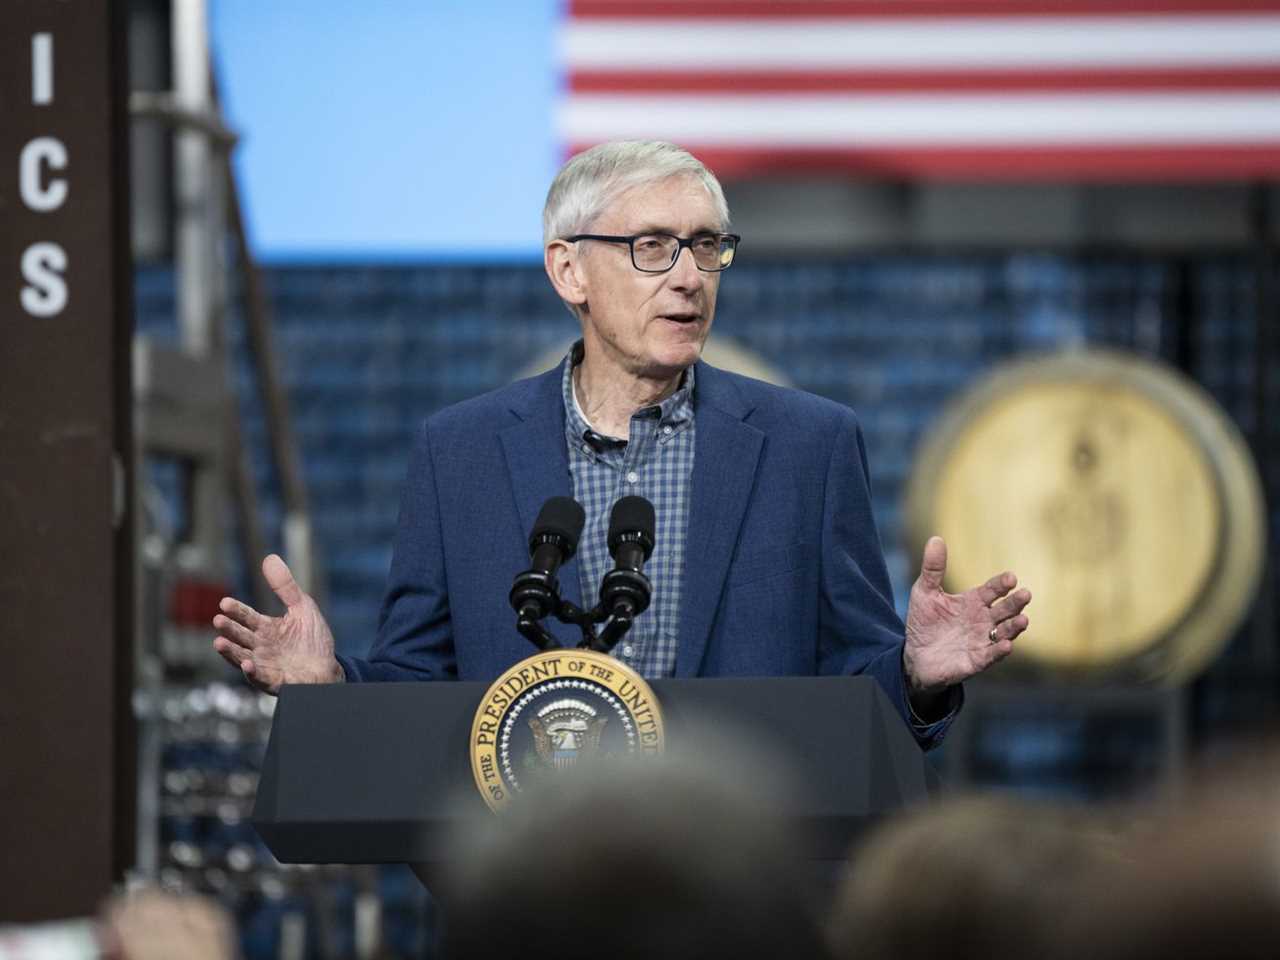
(36, 195)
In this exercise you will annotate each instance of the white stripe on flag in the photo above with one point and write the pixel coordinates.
(826, 121)
(850, 43)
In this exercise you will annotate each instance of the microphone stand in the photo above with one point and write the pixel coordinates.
(625, 591)
(566, 611)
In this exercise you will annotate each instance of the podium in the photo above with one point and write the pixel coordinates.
(380, 772)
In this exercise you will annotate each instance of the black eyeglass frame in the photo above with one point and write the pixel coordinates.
(681, 243)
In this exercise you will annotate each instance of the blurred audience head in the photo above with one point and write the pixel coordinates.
(591, 181)
(659, 858)
(1202, 879)
(978, 877)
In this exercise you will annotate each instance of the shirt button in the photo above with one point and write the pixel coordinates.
(628, 650)
(667, 429)
(633, 477)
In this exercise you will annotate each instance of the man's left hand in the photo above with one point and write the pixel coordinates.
(952, 636)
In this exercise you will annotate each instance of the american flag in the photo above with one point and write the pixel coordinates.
(958, 89)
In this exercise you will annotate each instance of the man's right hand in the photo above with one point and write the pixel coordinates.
(270, 651)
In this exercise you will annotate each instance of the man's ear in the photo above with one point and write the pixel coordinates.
(564, 269)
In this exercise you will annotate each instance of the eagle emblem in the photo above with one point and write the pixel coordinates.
(565, 731)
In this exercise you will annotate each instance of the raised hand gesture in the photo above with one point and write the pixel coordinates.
(952, 636)
(270, 651)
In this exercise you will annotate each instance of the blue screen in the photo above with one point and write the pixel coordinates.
(390, 129)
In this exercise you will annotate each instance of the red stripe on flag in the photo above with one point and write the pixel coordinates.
(904, 9)
(1149, 163)
(703, 83)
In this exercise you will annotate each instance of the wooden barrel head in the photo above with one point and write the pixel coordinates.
(1120, 494)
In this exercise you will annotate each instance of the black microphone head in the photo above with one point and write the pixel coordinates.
(632, 519)
(560, 517)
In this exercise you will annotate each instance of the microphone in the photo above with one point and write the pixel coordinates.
(626, 591)
(536, 592)
(555, 534)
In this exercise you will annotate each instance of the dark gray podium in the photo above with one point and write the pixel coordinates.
(380, 772)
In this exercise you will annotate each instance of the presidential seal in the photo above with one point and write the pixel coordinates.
(554, 711)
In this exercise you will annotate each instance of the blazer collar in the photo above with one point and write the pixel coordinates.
(538, 466)
(726, 455)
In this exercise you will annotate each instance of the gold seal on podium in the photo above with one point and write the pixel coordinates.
(556, 710)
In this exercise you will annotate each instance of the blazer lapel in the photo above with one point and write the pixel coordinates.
(537, 458)
(726, 453)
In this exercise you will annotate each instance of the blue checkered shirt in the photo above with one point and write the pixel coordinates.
(655, 462)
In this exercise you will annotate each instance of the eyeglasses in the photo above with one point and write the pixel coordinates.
(658, 252)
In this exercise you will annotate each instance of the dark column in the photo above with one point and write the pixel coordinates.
(67, 782)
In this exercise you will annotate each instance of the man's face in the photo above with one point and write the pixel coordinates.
(650, 325)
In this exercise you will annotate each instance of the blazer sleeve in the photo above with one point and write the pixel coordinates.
(859, 629)
(415, 631)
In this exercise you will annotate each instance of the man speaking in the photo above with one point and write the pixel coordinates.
(766, 559)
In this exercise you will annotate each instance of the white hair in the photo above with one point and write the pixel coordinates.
(591, 181)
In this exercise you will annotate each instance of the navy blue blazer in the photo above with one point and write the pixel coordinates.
(784, 573)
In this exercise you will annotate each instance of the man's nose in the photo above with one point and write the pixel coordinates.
(685, 274)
